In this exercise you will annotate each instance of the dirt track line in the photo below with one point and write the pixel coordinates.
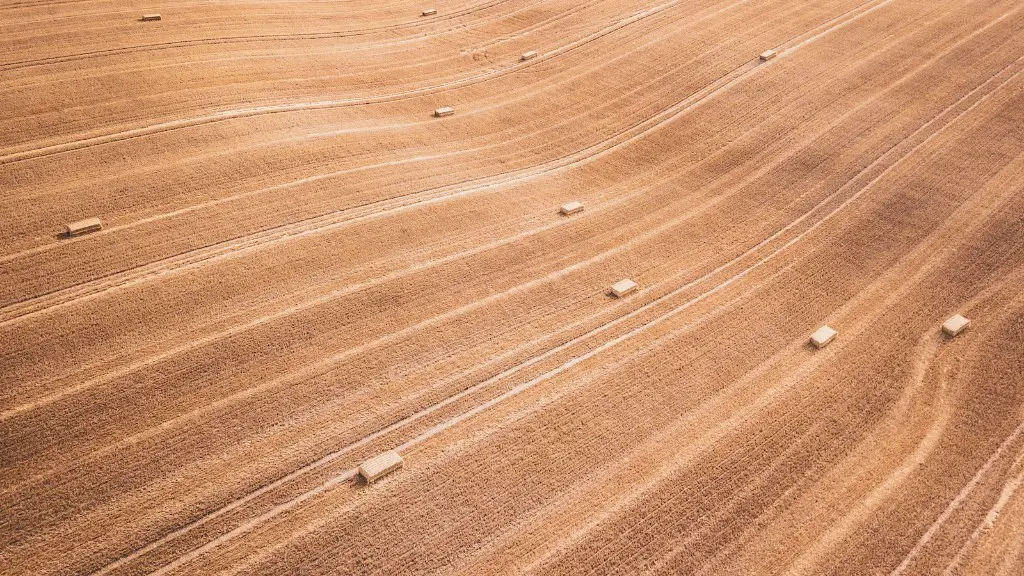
(929, 254)
(302, 181)
(248, 393)
(376, 47)
(87, 384)
(299, 182)
(452, 422)
(971, 217)
(135, 366)
(914, 149)
(333, 220)
(248, 112)
(964, 493)
(324, 223)
(1009, 488)
(419, 22)
(440, 428)
(437, 429)
(619, 199)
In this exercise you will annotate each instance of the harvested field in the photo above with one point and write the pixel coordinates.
(297, 267)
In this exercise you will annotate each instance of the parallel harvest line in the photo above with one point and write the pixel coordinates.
(337, 219)
(252, 111)
(327, 363)
(320, 176)
(566, 366)
(248, 38)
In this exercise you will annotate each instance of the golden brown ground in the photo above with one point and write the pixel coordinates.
(301, 268)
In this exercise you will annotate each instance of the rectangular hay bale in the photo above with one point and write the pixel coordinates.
(623, 287)
(955, 325)
(768, 55)
(150, 17)
(528, 56)
(430, 11)
(445, 111)
(570, 208)
(380, 466)
(822, 336)
(83, 227)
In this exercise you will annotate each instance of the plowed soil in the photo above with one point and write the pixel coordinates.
(301, 268)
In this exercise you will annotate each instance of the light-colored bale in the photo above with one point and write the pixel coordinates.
(379, 466)
(84, 227)
(623, 287)
(150, 17)
(430, 11)
(446, 111)
(570, 208)
(528, 56)
(955, 325)
(822, 336)
(768, 55)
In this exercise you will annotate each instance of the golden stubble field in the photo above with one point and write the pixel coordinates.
(300, 268)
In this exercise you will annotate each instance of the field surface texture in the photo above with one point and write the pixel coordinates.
(301, 267)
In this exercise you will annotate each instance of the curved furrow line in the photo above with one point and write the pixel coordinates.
(319, 177)
(879, 297)
(398, 425)
(253, 111)
(941, 130)
(927, 348)
(911, 270)
(336, 219)
(375, 47)
(1005, 497)
(860, 325)
(248, 38)
(619, 199)
(964, 493)
(440, 428)
(333, 220)
(520, 388)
